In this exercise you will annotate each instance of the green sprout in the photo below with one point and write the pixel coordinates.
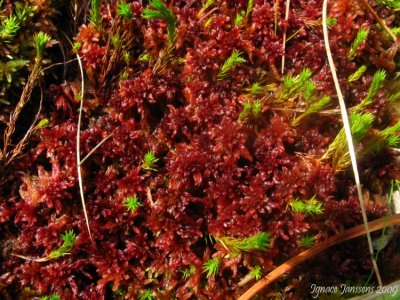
(362, 35)
(313, 108)
(41, 40)
(394, 97)
(124, 75)
(294, 84)
(147, 295)
(360, 124)
(256, 273)
(76, 46)
(231, 62)
(115, 40)
(42, 123)
(205, 7)
(161, 11)
(244, 114)
(211, 267)
(376, 84)
(144, 57)
(239, 18)
(189, 271)
(149, 161)
(392, 4)
(95, 17)
(308, 91)
(307, 207)
(256, 88)
(24, 11)
(126, 57)
(307, 241)
(124, 10)
(257, 107)
(248, 107)
(388, 137)
(258, 242)
(69, 239)
(250, 5)
(51, 297)
(9, 28)
(132, 203)
(7, 69)
(208, 22)
(331, 21)
(357, 74)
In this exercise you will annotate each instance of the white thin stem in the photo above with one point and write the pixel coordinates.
(95, 148)
(78, 147)
(346, 125)
(284, 36)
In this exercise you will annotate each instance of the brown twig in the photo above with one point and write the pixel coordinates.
(380, 21)
(305, 255)
(95, 148)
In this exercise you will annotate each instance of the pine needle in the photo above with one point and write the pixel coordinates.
(357, 74)
(230, 63)
(347, 131)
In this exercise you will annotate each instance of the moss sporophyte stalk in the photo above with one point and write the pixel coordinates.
(186, 149)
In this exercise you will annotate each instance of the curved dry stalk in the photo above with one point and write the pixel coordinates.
(78, 147)
(305, 255)
(95, 148)
(29, 258)
(284, 35)
(350, 144)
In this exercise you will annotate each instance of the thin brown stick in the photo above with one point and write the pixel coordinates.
(95, 148)
(305, 255)
(380, 21)
(349, 138)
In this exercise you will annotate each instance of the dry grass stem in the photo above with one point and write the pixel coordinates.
(346, 125)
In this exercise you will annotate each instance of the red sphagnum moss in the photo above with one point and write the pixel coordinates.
(190, 158)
